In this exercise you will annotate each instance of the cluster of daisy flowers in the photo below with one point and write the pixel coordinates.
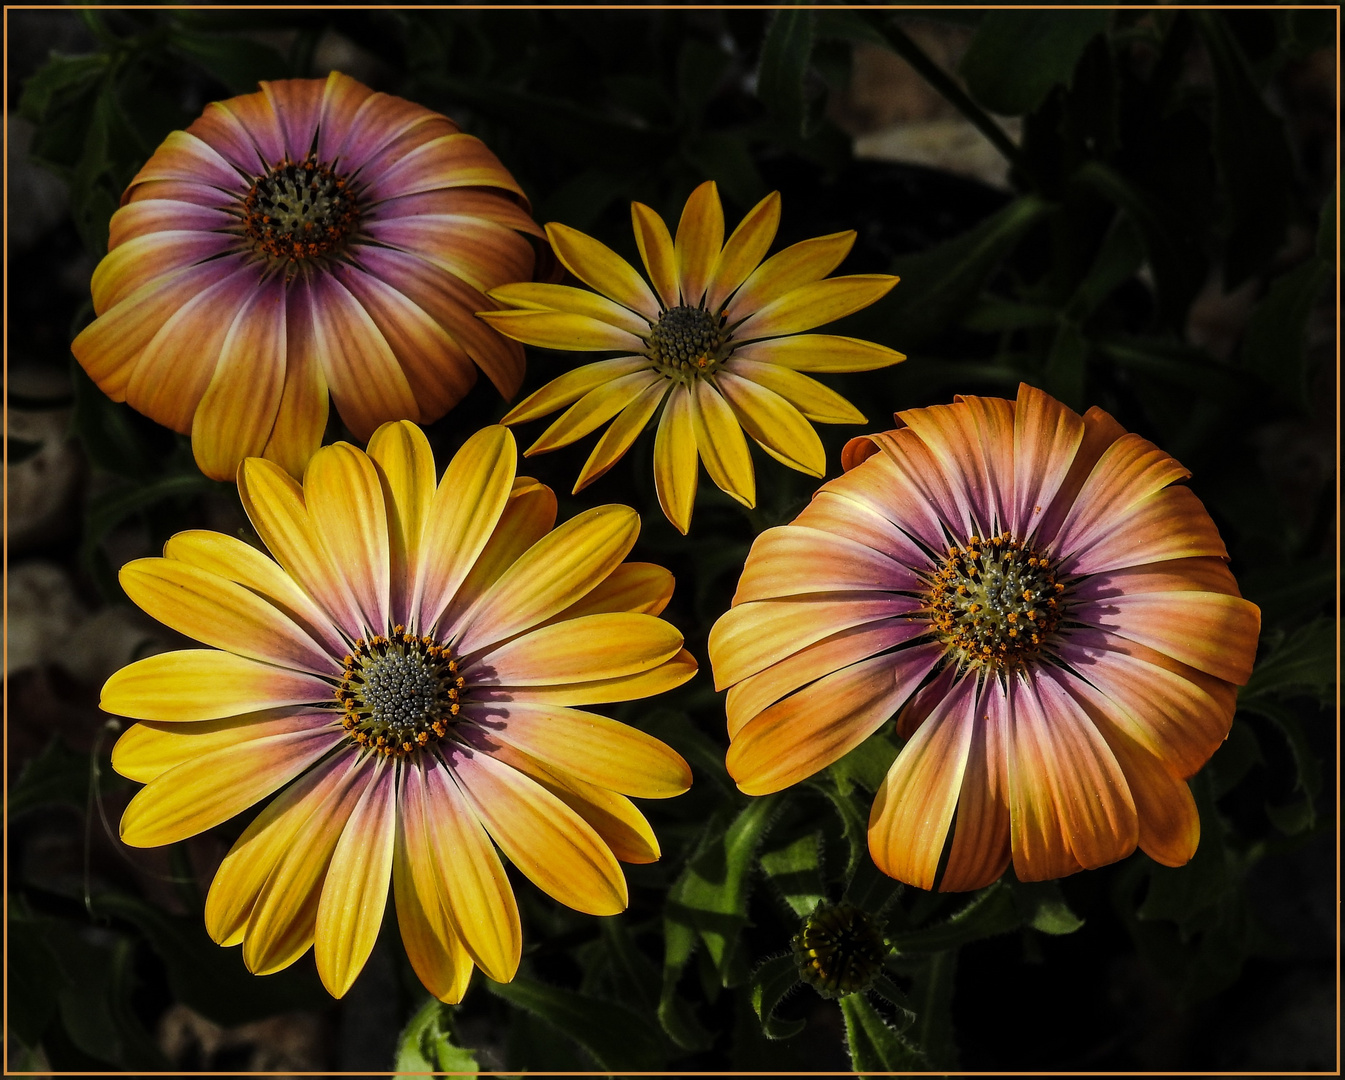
(405, 671)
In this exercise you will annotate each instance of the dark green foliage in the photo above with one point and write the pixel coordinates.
(1165, 250)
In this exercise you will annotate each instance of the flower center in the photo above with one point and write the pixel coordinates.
(840, 949)
(399, 693)
(299, 211)
(995, 601)
(686, 342)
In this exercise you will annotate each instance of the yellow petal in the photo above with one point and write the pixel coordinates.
(700, 236)
(656, 249)
(551, 575)
(355, 891)
(588, 746)
(528, 516)
(539, 296)
(274, 503)
(815, 304)
(432, 945)
(466, 506)
(589, 648)
(406, 469)
(282, 924)
(561, 330)
(624, 430)
(245, 870)
(744, 250)
(774, 423)
(593, 410)
(217, 612)
(601, 268)
(819, 352)
(640, 587)
(720, 442)
(211, 788)
(231, 558)
(345, 500)
(810, 397)
(785, 271)
(675, 472)
(467, 873)
(570, 387)
(206, 684)
(149, 749)
(550, 844)
(668, 675)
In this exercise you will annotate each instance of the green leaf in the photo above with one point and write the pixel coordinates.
(59, 79)
(1117, 261)
(994, 315)
(784, 66)
(770, 983)
(874, 1045)
(1301, 815)
(865, 765)
(1304, 661)
(932, 986)
(991, 912)
(426, 1045)
(701, 68)
(1253, 155)
(33, 977)
(938, 285)
(1063, 376)
(796, 870)
(111, 433)
(1017, 57)
(240, 63)
(1183, 893)
(56, 777)
(1288, 592)
(1044, 908)
(615, 1036)
(1275, 346)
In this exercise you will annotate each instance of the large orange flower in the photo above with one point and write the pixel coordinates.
(407, 670)
(312, 238)
(1051, 615)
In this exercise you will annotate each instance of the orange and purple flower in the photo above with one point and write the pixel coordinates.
(1046, 609)
(314, 238)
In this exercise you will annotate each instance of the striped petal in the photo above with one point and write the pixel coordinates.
(587, 649)
(601, 268)
(451, 160)
(794, 560)
(675, 472)
(594, 409)
(778, 427)
(274, 503)
(217, 612)
(355, 891)
(301, 417)
(787, 270)
(700, 237)
(183, 156)
(562, 330)
(205, 684)
(657, 252)
(539, 296)
(466, 506)
(1171, 524)
(587, 746)
(744, 250)
(344, 496)
(629, 423)
(820, 724)
(467, 873)
(551, 845)
(640, 587)
(980, 851)
(720, 443)
(135, 263)
(834, 511)
(666, 676)
(913, 808)
(480, 252)
(810, 397)
(574, 384)
(819, 352)
(212, 787)
(815, 304)
(298, 105)
(406, 470)
(1046, 438)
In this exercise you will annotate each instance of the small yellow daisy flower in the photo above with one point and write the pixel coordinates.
(710, 342)
(406, 669)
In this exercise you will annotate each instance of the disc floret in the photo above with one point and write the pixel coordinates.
(687, 342)
(840, 949)
(300, 211)
(995, 602)
(399, 693)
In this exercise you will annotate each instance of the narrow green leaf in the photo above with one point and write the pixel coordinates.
(784, 65)
(617, 1037)
(991, 912)
(426, 1045)
(796, 870)
(1275, 346)
(1016, 57)
(932, 986)
(1066, 365)
(701, 68)
(770, 983)
(1044, 908)
(1303, 661)
(240, 63)
(60, 78)
(874, 1045)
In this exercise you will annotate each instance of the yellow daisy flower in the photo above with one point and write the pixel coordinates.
(710, 342)
(407, 669)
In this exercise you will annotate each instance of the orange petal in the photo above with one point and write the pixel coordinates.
(793, 560)
(980, 851)
(1046, 438)
(301, 417)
